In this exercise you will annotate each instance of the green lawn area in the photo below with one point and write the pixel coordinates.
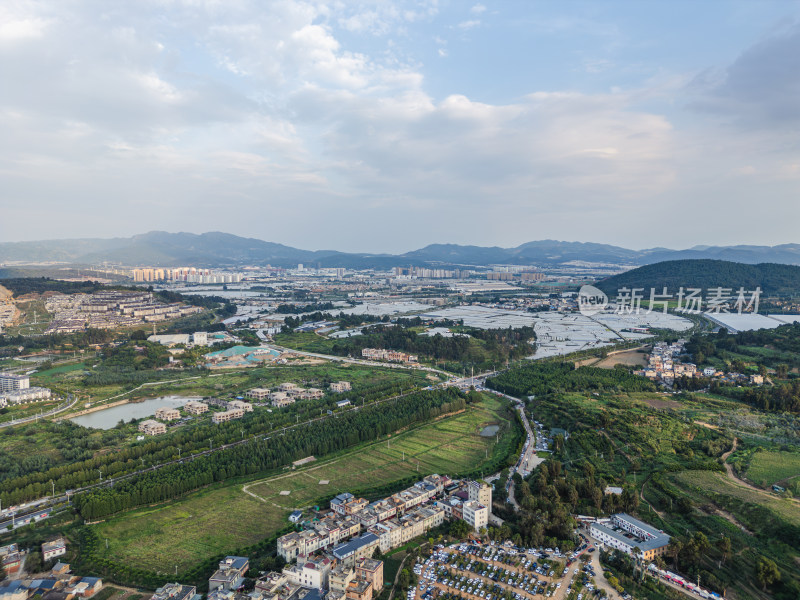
(307, 341)
(767, 468)
(210, 522)
(223, 519)
(61, 369)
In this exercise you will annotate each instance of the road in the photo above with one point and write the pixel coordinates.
(57, 410)
(528, 459)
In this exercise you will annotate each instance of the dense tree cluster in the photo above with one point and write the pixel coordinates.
(296, 309)
(20, 286)
(542, 378)
(477, 346)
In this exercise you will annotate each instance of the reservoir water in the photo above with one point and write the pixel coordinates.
(109, 417)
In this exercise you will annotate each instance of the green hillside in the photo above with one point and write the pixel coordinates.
(774, 279)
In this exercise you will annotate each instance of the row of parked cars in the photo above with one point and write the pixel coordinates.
(481, 576)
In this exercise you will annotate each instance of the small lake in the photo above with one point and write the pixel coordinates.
(109, 417)
(490, 430)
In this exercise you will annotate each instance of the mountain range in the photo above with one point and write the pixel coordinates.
(216, 249)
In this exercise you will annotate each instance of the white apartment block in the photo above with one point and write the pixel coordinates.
(476, 514)
(10, 382)
(480, 491)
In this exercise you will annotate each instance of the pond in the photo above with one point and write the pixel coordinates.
(490, 430)
(109, 417)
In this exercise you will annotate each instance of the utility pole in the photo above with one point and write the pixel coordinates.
(101, 474)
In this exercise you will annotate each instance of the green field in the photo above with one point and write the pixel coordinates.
(220, 520)
(767, 468)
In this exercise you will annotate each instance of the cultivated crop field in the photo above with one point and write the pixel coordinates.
(767, 468)
(220, 520)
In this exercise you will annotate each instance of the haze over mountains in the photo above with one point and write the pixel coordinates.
(216, 249)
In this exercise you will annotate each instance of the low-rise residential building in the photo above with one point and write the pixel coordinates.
(258, 393)
(151, 427)
(13, 590)
(280, 399)
(340, 386)
(388, 355)
(371, 570)
(25, 396)
(54, 549)
(174, 591)
(311, 394)
(228, 415)
(359, 589)
(360, 547)
(245, 406)
(340, 577)
(84, 587)
(11, 558)
(166, 413)
(193, 407)
(310, 572)
(230, 574)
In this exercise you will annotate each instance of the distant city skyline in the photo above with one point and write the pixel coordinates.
(381, 126)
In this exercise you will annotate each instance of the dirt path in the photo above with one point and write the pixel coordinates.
(641, 495)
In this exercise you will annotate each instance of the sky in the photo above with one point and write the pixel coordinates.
(383, 125)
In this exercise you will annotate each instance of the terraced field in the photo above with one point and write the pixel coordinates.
(220, 520)
(705, 485)
(767, 468)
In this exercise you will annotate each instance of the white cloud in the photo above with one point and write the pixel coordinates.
(237, 115)
(477, 9)
(469, 24)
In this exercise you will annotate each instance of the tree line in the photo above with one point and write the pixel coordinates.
(318, 438)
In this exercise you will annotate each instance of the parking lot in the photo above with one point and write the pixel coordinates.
(502, 572)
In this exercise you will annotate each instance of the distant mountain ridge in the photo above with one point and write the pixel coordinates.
(217, 249)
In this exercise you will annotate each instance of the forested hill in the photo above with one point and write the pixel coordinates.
(704, 274)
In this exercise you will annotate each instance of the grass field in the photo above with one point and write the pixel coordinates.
(767, 468)
(220, 520)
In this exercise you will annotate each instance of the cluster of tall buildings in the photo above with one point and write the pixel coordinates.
(185, 274)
